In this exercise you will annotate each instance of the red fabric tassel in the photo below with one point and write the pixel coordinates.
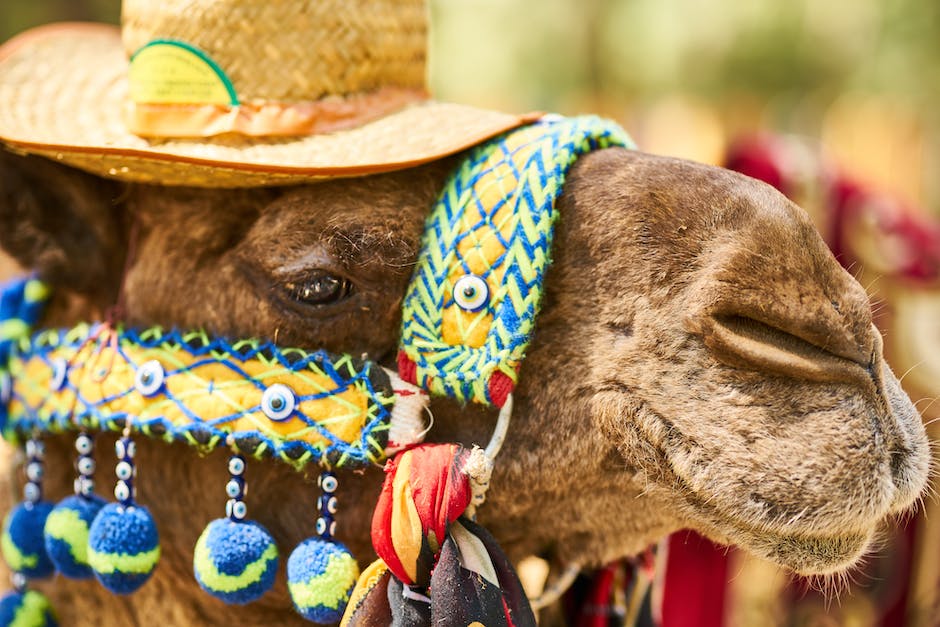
(415, 508)
(443, 571)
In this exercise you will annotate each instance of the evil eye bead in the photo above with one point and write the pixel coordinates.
(86, 465)
(471, 293)
(34, 471)
(124, 471)
(60, 372)
(236, 466)
(35, 448)
(31, 492)
(121, 491)
(83, 444)
(84, 485)
(233, 489)
(328, 483)
(239, 510)
(330, 503)
(321, 526)
(149, 378)
(278, 402)
(125, 448)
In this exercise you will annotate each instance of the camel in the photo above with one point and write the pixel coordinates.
(701, 361)
(891, 247)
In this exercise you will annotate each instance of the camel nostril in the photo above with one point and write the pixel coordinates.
(743, 341)
(874, 373)
(899, 464)
(874, 368)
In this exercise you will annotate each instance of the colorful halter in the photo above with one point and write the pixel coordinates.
(300, 407)
(468, 316)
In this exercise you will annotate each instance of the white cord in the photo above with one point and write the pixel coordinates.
(479, 464)
(408, 593)
(502, 427)
(553, 591)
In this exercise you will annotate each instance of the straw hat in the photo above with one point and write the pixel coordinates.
(235, 93)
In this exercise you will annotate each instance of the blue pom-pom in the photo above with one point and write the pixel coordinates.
(235, 561)
(320, 576)
(29, 609)
(24, 548)
(67, 534)
(123, 547)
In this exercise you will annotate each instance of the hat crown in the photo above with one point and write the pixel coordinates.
(291, 51)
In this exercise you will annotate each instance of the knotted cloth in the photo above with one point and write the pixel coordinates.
(435, 565)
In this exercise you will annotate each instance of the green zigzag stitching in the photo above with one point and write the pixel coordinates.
(462, 371)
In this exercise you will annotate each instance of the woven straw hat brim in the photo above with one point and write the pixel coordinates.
(63, 89)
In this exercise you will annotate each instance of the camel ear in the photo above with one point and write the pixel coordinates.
(63, 223)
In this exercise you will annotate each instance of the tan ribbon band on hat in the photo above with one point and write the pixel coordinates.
(267, 119)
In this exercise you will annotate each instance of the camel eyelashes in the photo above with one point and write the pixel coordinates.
(320, 288)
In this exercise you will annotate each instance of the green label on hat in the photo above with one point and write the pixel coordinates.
(173, 72)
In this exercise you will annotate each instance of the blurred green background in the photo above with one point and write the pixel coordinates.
(687, 75)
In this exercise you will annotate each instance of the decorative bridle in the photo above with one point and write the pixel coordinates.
(468, 317)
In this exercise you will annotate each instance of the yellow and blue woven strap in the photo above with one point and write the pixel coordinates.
(258, 398)
(21, 305)
(470, 309)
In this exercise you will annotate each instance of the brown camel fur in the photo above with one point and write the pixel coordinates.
(701, 361)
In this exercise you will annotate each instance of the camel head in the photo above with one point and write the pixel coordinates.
(700, 360)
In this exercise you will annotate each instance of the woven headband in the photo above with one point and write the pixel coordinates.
(468, 317)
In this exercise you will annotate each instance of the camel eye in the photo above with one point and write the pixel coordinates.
(319, 289)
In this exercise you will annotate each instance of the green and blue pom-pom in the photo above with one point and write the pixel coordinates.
(235, 561)
(22, 542)
(26, 609)
(66, 534)
(320, 576)
(123, 547)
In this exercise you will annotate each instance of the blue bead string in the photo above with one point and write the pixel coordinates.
(124, 490)
(327, 504)
(236, 489)
(35, 470)
(85, 465)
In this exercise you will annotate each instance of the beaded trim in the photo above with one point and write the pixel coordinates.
(291, 404)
